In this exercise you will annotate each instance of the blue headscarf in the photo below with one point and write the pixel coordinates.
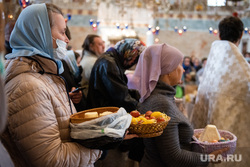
(32, 34)
(70, 59)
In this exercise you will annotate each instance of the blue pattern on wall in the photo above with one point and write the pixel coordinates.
(80, 20)
(165, 24)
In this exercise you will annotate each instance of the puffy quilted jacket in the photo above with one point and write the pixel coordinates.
(38, 131)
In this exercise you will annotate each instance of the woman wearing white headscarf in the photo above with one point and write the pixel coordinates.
(159, 69)
(38, 131)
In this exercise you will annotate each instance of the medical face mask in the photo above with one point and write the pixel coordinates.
(61, 51)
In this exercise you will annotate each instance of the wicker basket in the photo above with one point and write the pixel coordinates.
(207, 148)
(79, 117)
(148, 130)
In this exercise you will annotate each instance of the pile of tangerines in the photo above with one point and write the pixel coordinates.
(148, 118)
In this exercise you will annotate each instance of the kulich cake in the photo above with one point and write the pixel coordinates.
(210, 134)
(106, 113)
(91, 115)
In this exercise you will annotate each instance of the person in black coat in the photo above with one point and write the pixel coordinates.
(72, 75)
(108, 83)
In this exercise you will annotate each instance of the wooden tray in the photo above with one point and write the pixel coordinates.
(79, 117)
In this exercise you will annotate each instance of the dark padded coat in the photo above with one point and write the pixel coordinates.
(71, 81)
(108, 84)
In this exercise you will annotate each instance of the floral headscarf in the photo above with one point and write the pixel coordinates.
(129, 51)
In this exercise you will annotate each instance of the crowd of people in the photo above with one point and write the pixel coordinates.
(193, 67)
(45, 83)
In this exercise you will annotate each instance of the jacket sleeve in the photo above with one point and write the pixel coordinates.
(116, 86)
(39, 121)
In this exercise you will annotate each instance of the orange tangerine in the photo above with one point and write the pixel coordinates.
(135, 120)
(156, 114)
(149, 121)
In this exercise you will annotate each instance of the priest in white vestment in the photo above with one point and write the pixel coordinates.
(223, 97)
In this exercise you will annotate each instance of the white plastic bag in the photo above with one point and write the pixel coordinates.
(112, 125)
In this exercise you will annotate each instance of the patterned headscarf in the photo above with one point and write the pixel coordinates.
(129, 51)
(156, 60)
(32, 35)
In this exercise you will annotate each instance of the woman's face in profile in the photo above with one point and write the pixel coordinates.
(174, 78)
(177, 75)
(58, 29)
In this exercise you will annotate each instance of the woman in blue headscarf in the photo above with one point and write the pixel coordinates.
(38, 131)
